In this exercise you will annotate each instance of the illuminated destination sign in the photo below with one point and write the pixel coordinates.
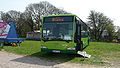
(59, 19)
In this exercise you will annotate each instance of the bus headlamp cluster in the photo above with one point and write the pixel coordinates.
(43, 47)
(71, 48)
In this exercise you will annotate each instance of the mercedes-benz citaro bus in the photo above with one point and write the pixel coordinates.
(63, 34)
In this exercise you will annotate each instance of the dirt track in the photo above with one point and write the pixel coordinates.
(9, 60)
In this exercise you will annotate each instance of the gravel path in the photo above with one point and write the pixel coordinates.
(9, 60)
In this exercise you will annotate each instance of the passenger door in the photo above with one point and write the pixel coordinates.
(78, 36)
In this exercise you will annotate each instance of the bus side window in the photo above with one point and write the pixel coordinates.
(84, 31)
(77, 31)
(78, 28)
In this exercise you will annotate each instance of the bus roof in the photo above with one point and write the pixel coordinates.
(60, 15)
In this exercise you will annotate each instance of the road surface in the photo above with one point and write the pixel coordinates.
(10, 60)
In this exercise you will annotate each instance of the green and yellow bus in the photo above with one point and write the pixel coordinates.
(63, 34)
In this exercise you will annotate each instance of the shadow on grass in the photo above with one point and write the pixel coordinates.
(46, 59)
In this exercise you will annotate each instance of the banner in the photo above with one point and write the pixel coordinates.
(4, 29)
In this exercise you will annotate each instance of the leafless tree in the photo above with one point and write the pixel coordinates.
(44, 8)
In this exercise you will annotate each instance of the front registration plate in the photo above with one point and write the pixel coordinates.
(56, 51)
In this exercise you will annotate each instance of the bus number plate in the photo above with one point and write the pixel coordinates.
(56, 51)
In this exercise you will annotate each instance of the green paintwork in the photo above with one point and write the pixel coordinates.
(62, 45)
(61, 51)
(58, 45)
(85, 41)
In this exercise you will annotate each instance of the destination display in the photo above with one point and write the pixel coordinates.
(59, 19)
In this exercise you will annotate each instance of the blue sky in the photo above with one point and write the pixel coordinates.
(79, 7)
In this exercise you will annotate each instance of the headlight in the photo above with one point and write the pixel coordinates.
(71, 48)
(43, 47)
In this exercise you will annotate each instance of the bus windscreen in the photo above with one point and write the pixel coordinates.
(57, 31)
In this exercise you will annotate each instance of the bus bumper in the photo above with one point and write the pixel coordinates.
(58, 51)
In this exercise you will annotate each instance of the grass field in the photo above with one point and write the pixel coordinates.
(102, 53)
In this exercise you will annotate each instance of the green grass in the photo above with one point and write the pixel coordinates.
(26, 48)
(100, 52)
(0, 48)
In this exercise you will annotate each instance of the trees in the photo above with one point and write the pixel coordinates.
(98, 23)
(117, 33)
(11, 15)
(4, 16)
(110, 32)
(44, 8)
(31, 18)
(0, 16)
